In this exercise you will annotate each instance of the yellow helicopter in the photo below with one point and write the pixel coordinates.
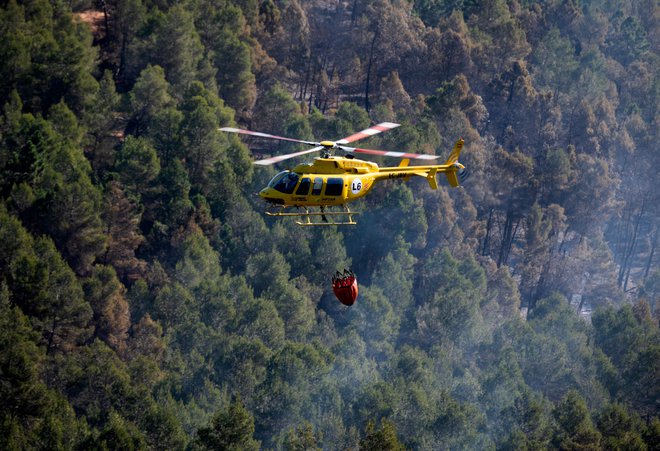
(334, 181)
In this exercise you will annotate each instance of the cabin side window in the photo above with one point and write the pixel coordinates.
(303, 188)
(334, 187)
(318, 185)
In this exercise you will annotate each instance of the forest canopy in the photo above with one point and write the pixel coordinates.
(146, 302)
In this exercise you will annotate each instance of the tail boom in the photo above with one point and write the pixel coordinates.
(453, 170)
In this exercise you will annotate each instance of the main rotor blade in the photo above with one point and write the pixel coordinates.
(373, 130)
(266, 135)
(272, 160)
(418, 156)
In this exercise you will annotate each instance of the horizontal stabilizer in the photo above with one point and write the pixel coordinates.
(433, 183)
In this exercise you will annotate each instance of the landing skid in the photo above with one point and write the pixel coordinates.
(327, 217)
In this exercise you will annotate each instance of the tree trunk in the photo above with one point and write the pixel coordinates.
(485, 249)
(371, 60)
(308, 74)
(122, 57)
(51, 337)
(311, 91)
(106, 22)
(626, 265)
(508, 235)
(563, 241)
(354, 13)
(654, 243)
(579, 309)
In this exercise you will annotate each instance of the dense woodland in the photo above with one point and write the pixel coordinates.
(146, 302)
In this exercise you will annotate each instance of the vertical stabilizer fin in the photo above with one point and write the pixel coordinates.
(456, 152)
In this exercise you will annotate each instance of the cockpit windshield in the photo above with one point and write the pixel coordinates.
(284, 182)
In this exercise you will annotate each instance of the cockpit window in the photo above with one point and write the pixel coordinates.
(277, 178)
(284, 182)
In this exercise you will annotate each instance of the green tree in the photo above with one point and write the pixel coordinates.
(176, 47)
(123, 21)
(232, 428)
(620, 430)
(165, 134)
(53, 297)
(555, 63)
(431, 11)
(118, 434)
(544, 227)
(456, 425)
(621, 336)
(382, 439)
(236, 81)
(575, 429)
(276, 112)
(106, 295)
(203, 112)
(97, 383)
(629, 42)
(31, 414)
(137, 164)
(171, 207)
(641, 381)
(122, 216)
(64, 203)
(377, 323)
(162, 427)
(15, 53)
(593, 188)
(503, 295)
(302, 438)
(99, 118)
(148, 97)
(499, 35)
(293, 380)
(269, 274)
(22, 394)
(449, 301)
(259, 319)
(222, 30)
(394, 276)
(174, 306)
(146, 339)
(48, 57)
(514, 190)
(530, 423)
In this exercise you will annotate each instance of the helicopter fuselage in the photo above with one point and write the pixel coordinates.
(335, 181)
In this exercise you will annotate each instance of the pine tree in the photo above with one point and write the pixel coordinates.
(575, 430)
(231, 429)
(382, 439)
(106, 295)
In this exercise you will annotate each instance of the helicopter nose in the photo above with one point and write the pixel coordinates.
(268, 194)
